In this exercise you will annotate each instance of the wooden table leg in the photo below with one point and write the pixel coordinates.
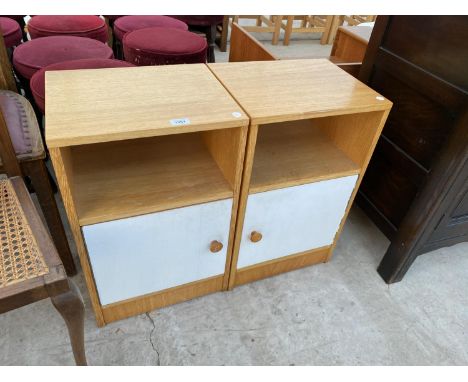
(70, 306)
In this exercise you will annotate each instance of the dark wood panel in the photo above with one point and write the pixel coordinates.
(437, 44)
(391, 181)
(420, 63)
(454, 223)
(416, 124)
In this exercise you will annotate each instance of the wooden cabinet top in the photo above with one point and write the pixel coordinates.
(101, 105)
(277, 91)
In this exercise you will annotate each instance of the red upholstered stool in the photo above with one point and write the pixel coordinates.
(207, 25)
(123, 25)
(38, 79)
(11, 31)
(20, 20)
(164, 46)
(36, 54)
(81, 26)
(132, 23)
(33, 55)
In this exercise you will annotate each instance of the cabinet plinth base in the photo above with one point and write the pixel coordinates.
(284, 264)
(142, 304)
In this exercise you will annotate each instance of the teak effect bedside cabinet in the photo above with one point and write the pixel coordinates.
(184, 180)
(149, 163)
(312, 131)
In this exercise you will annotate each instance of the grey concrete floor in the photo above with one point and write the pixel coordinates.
(339, 313)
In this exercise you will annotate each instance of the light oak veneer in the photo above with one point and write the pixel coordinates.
(277, 91)
(103, 105)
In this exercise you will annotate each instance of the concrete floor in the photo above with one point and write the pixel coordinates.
(339, 313)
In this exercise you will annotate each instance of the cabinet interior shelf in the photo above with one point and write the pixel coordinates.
(297, 152)
(133, 177)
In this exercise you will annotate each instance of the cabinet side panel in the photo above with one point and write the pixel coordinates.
(63, 167)
(362, 155)
(223, 146)
(354, 134)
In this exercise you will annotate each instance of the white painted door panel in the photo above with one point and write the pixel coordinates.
(294, 219)
(148, 253)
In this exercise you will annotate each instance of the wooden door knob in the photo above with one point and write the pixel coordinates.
(216, 246)
(255, 236)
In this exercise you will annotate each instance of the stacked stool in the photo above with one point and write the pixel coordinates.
(81, 26)
(163, 46)
(36, 54)
(11, 31)
(126, 24)
(38, 79)
(20, 20)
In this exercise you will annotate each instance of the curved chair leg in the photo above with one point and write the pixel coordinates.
(70, 306)
(37, 172)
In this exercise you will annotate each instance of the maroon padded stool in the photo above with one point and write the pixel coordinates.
(125, 24)
(81, 26)
(36, 54)
(20, 20)
(11, 31)
(164, 46)
(38, 79)
(206, 25)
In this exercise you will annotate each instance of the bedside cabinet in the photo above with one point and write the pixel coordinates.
(312, 131)
(149, 163)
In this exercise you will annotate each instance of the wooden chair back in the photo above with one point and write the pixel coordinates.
(7, 81)
(7, 152)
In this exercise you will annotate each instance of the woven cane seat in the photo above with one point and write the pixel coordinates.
(20, 257)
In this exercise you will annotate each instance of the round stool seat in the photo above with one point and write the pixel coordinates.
(17, 18)
(126, 24)
(11, 31)
(201, 20)
(82, 26)
(37, 83)
(164, 46)
(33, 55)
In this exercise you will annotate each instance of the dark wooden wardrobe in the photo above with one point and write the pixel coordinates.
(415, 188)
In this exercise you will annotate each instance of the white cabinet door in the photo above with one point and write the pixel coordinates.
(293, 219)
(148, 253)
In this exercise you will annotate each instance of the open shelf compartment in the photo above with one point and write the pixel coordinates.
(133, 177)
(297, 152)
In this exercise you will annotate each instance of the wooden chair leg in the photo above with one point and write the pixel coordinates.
(288, 29)
(224, 35)
(71, 308)
(37, 172)
(211, 37)
(278, 20)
